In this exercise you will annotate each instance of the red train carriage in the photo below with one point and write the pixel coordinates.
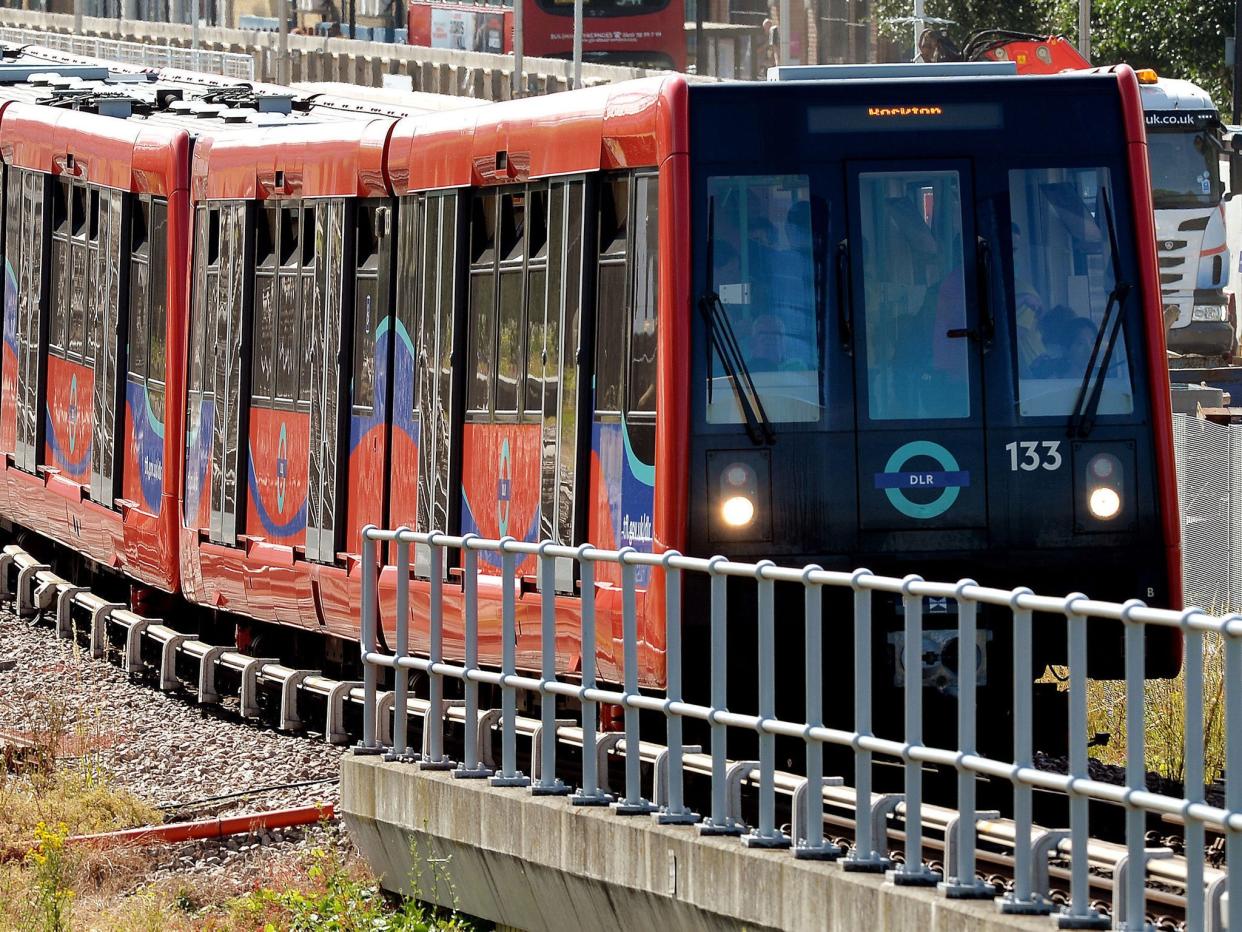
(529, 294)
(90, 427)
(287, 448)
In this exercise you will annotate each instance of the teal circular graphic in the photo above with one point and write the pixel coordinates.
(950, 481)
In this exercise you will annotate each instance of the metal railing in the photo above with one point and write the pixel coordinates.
(228, 64)
(1208, 896)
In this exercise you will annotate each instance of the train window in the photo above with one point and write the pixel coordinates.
(288, 338)
(139, 272)
(409, 286)
(763, 271)
(289, 228)
(482, 336)
(78, 216)
(78, 286)
(642, 381)
(536, 298)
(61, 292)
(1063, 282)
(913, 285)
(512, 271)
(158, 314)
(265, 232)
(611, 294)
(196, 319)
(310, 302)
(364, 346)
(213, 236)
(264, 333)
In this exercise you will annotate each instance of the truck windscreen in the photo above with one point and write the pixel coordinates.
(1184, 170)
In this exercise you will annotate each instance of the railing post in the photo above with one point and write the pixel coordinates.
(962, 883)
(1024, 899)
(865, 856)
(813, 846)
(1233, 766)
(676, 811)
(719, 822)
(370, 674)
(633, 803)
(589, 794)
(766, 834)
(546, 783)
(1079, 914)
(509, 774)
(1136, 774)
(913, 872)
(1194, 776)
(435, 758)
(401, 678)
(470, 768)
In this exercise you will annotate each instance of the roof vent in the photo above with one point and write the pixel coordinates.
(237, 116)
(121, 107)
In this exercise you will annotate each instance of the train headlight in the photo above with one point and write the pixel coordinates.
(737, 511)
(1104, 503)
(741, 501)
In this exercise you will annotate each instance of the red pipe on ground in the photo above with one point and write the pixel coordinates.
(194, 831)
(207, 828)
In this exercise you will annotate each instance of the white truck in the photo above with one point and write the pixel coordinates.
(1186, 144)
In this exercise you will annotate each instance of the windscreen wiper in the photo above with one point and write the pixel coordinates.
(1092, 388)
(722, 342)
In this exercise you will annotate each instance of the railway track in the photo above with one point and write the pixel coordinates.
(265, 690)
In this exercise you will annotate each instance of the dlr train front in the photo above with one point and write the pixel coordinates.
(927, 339)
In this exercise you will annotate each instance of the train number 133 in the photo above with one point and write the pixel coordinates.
(1030, 455)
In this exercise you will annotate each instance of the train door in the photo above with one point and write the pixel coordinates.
(228, 319)
(104, 327)
(919, 333)
(433, 389)
(329, 345)
(565, 393)
(26, 254)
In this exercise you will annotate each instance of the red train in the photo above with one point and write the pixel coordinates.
(293, 315)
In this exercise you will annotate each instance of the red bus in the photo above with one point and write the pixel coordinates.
(641, 33)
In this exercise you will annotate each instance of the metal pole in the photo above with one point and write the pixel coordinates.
(783, 31)
(767, 835)
(77, 17)
(194, 13)
(367, 630)
(509, 774)
(546, 783)
(1084, 29)
(699, 57)
(1237, 69)
(470, 767)
(282, 53)
(1136, 773)
(719, 822)
(578, 43)
(1233, 767)
(675, 811)
(589, 793)
(1079, 912)
(913, 872)
(353, 17)
(1194, 773)
(517, 86)
(401, 678)
(918, 28)
(434, 757)
(633, 803)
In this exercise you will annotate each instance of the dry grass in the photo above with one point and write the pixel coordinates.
(1164, 718)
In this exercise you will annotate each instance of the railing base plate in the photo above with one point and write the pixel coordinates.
(677, 818)
(515, 780)
(1092, 921)
(464, 773)
(922, 877)
(555, 789)
(777, 840)
(641, 807)
(955, 890)
(590, 799)
(818, 853)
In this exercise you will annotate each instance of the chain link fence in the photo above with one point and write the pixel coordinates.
(1209, 490)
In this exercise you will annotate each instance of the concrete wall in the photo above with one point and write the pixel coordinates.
(313, 58)
(542, 863)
